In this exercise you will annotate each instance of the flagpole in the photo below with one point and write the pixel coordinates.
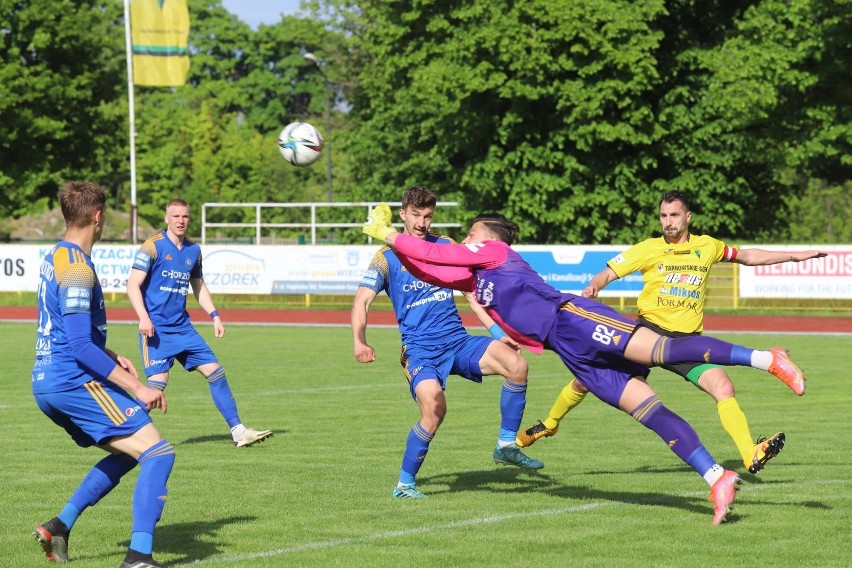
(132, 115)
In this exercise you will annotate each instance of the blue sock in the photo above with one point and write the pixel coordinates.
(223, 398)
(69, 514)
(142, 542)
(513, 399)
(100, 480)
(149, 498)
(701, 460)
(416, 448)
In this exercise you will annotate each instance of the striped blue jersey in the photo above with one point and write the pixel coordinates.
(426, 314)
(166, 286)
(68, 285)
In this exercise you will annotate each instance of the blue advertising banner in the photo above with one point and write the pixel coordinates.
(570, 268)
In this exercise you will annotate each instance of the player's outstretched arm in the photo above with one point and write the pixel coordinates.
(599, 281)
(760, 257)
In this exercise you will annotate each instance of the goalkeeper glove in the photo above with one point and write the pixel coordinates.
(378, 223)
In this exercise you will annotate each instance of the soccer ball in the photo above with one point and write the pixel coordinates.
(300, 143)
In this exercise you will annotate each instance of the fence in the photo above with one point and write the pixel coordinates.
(310, 211)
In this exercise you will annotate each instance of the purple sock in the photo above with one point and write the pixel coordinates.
(699, 349)
(674, 430)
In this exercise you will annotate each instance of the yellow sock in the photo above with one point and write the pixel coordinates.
(735, 423)
(567, 399)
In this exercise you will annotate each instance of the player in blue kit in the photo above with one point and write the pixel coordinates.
(83, 386)
(166, 268)
(607, 352)
(435, 345)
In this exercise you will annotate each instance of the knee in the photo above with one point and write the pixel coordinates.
(717, 385)
(432, 420)
(517, 369)
(432, 413)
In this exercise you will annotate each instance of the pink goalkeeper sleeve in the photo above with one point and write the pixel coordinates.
(446, 264)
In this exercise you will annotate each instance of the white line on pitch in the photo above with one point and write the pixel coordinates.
(340, 542)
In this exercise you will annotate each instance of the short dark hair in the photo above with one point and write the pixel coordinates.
(178, 202)
(675, 195)
(79, 200)
(497, 223)
(419, 196)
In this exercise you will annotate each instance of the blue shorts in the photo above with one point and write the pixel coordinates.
(590, 338)
(94, 413)
(186, 345)
(457, 357)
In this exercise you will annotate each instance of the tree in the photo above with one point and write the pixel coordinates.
(575, 116)
(60, 80)
(215, 139)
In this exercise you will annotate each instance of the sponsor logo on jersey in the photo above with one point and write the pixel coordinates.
(681, 278)
(687, 304)
(679, 292)
(416, 286)
(131, 411)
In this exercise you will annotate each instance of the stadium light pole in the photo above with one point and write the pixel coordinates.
(312, 60)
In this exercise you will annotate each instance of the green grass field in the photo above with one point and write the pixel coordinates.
(318, 493)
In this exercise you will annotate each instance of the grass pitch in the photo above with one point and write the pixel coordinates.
(318, 493)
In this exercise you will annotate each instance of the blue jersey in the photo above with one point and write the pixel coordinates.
(426, 314)
(169, 270)
(68, 287)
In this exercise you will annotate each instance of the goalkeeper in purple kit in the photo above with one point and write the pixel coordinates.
(607, 352)
(435, 345)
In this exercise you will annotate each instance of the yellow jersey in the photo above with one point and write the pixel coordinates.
(675, 278)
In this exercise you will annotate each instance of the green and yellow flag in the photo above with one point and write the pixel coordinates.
(159, 32)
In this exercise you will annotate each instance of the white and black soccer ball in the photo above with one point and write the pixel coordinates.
(300, 143)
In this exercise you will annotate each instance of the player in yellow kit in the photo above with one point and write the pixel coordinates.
(675, 269)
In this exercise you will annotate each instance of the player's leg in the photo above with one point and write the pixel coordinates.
(641, 402)
(479, 356)
(614, 334)
(91, 414)
(195, 354)
(571, 395)
(648, 347)
(428, 392)
(715, 382)
(99, 481)
(156, 361)
(156, 458)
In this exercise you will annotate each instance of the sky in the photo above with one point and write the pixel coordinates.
(254, 12)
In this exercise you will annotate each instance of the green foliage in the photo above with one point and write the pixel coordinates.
(575, 116)
(571, 117)
(215, 139)
(59, 83)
